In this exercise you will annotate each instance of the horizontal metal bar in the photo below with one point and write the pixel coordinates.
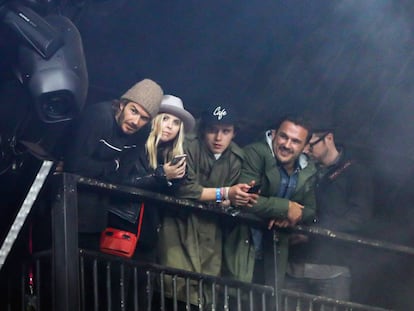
(181, 273)
(338, 303)
(355, 239)
(245, 217)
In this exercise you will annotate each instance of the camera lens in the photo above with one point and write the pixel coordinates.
(57, 107)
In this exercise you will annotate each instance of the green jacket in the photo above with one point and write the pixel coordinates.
(260, 165)
(192, 241)
(203, 170)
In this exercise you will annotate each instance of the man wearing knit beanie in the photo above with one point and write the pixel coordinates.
(147, 94)
(138, 106)
(104, 136)
(98, 142)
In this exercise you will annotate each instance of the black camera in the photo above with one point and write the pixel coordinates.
(50, 61)
(58, 85)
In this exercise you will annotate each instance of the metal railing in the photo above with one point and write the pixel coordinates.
(141, 286)
(305, 302)
(84, 280)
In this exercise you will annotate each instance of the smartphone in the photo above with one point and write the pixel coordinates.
(254, 189)
(177, 158)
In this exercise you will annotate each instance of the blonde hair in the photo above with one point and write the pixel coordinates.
(174, 148)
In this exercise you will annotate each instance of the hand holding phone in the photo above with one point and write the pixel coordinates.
(178, 158)
(254, 189)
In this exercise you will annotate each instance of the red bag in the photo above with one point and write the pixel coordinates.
(119, 242)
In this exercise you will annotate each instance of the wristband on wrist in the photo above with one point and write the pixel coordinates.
(226, 193)
(218, 195)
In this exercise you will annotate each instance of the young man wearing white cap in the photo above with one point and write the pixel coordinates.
(191, 241)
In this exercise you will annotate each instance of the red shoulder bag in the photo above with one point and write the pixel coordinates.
(119, 242)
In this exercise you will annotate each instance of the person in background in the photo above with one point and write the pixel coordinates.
(286, 196)
(104, 133)
(344, 196)
(191, 241)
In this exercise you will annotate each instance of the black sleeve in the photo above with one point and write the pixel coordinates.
(135, 171)
(354, 200)
(87, 131)
(142, 176)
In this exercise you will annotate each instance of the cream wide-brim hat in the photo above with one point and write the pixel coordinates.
(174, 105)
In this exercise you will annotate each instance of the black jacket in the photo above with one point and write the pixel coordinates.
(94, 142)
(97, 140)
(141, 175)
(344, 196)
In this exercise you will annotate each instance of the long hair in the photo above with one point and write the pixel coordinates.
(175, 147)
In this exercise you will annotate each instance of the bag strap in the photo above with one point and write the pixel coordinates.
(339, 171)
(140, 217)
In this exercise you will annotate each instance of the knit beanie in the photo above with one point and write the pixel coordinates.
(146, 93)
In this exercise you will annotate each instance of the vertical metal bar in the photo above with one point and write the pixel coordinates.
(251, 304)
(122, 286)
(135, 291)
(275, 261)
(285, 302)
(95, 285)
(23, 287)
(200, 295)
(226, 298)
(108, 286)
(9, 295)
(65, 263)
(213, 293)
(82, 283)
(162, 291)
(174, 284)
(37, 284)
(187, 293)
(148, 289)
(239, 306)
(264, 302)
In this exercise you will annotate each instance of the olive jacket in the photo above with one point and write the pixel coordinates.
(193, 241)
(261, 166)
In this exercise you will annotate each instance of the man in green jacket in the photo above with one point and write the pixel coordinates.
(193, 241)
(286, 195)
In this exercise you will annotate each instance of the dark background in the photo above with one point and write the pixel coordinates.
(351, 61)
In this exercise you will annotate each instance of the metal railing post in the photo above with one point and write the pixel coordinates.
(65, 253)
(275, 239)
